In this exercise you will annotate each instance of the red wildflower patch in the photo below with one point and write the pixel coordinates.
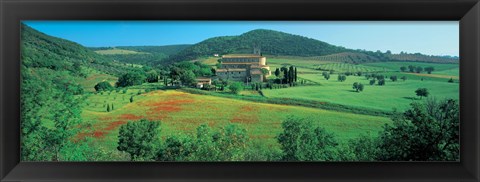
(114, 125)
(247, 115)
(169, 106)
(81, 136)
(129, 117)
(99, 134)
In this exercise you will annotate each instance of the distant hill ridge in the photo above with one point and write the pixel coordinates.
(274, 43)
(277, 43)
(166, 50)
(41, 51)
(269, 41)
(52, 52)
(148, 55)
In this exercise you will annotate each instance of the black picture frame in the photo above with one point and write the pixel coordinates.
(465, 11)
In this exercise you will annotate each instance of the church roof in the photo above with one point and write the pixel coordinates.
(242, 56)
(255, 72)
(203, 79)
(239, 62)
(225, 70)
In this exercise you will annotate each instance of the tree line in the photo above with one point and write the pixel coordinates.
(417, 69)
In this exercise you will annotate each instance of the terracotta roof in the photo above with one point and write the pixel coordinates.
(239, 62)
(203, 79)
(255, 72)
(242, 56)
(225, 70)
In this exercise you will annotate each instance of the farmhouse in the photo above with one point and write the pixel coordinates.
(201, 82)
(243, 67)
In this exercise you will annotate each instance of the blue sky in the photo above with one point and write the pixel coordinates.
(427, 37)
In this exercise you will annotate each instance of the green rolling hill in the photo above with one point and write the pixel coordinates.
(277, 43)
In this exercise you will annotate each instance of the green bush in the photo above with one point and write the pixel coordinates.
(139, 139)
(103, 86)
(302, 142)
(236, 87)
(428, 131)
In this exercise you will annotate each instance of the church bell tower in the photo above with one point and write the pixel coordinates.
(257, 50)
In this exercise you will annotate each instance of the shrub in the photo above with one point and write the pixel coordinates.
(422, 92)
(101, 86)
(300, 141)
(428, 131)
(381, 82)
(236, 87)
(358, 86)
(139, 139)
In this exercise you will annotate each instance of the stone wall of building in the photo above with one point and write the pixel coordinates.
(242, 60)
(257, 78)
(230, 66)
(233, 75)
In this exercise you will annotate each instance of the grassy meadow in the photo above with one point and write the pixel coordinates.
(180, 114)
(398, 94)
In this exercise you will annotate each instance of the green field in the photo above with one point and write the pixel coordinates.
(397, 94)
(178, 111)
(392, 95)
(352, 68)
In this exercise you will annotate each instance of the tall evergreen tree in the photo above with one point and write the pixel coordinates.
(277, 72)
(295, 74)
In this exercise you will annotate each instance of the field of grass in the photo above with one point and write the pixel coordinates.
(211, 61)
(397, 94)
(117, 51)
(346, 67)
(180, 113)
(89, 83)
(312, 66)
(302, 63)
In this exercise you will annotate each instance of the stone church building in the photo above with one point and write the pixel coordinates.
(243, 67)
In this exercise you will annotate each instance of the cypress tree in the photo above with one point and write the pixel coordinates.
(108, 108)
(295, 74)
(291, 75)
